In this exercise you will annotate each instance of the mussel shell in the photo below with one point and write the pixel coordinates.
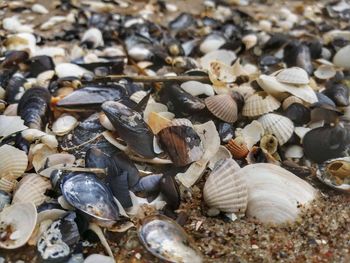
(182, 22)
(298, 113)
(39, 64)
(339, 94)
(131, 128)
(87, 193)
(34, 107)
(13, 58)
(325, 143)
(14, 89)
(299, 55)
(169, 188)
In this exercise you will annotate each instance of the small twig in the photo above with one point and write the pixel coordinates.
(152, 79)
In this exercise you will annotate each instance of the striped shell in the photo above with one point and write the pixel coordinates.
(289, 101)
(259, 104)
(295, 76)
(278, 125)
(10, 125)
(226, 191)
(13, 161)
(31, 188)
(7, 183)
(222, 106)
(237, 147)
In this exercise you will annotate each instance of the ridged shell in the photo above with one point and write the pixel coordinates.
(277, 125)
(295, 75)
(259, 104)
(13, 161)
(7, 184)
(19, 221)
(226, 191)
(275, 195)
(31, 188)
(289, 101)
(237, 147)
(10, 125)
(222, 106)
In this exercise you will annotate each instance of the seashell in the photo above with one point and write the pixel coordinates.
(11, 110)
(237, 147)
(105, 122)
(64, 124)
(93, 38)
(301, 131)
(17, 223)
(222, 106)
(10, 125)
(165, 239)
(157, 122)
(212, 42)
(153, 107)
(341, 58)
(289, 101)
(5, 199)
(298, 54)
(32, 135)
(93, 258)
(31, 188)
(13, 162)
(43, 79)
(220, 74)
(7, 183)
(251, 133)
(269, 143)
(294, 75)
(336, 173)
(63, 159)
(325, 72)
(259, 104)
(224, 190)
(222, 55)
(249, 41)
(70, 70)
(298, 114)
(246, 90)
(277, 125)
(196, 88)
(339, 94)
(259, 155)
(40, 9)
(39, 154)
(294, 152)
(275, 195)
(14, 25)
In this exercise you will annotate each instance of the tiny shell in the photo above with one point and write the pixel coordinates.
(226, 191)
(13, 161)
(249, 41)
(237, 147)
(325, 72)
(269, 143)
(295, 75)
(259, 104)
(64, 124)
(294, 151)
(223, 106)
(277, 125)
(341, 58)
(93, 258)
(70, 70)
(251, 133)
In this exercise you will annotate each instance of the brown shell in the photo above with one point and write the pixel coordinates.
(223, 106)
(237, 147)
(157, 122)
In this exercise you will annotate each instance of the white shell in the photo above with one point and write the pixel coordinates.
(278, 125)
(93, 35)
(275, 195)
(13, 161)
(33, 134)
(14, 25)
(94, 258)
(259, 104)
(21, 218)
(249, 41)
(196, 88)
(31, 188)
(226, 191)
(10, 125)
(222, 55)
(295, 75)
(64, 124)
(221, 154)
(153, 107)
(294, 151)
(39, 153)
(301, 131)
(325, 72)
(105, 122)
(211, 42)
(70, 70)
(251, 133)
(7, 183)
(40, 9)
(246, 90)
(220, 73)
(341, 58)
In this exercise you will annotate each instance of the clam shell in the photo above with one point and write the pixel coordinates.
(275, 195)
(294, 75)
(222, 106)
(289, 101)
(10, 125)
(325, 72)
(13, 161)
(20, 219)
(196, 88)
(259, 104)
(64, 125)
(237, 147)
(341, 58)
(294, 151)
(31, 188)
(226, 191)
(277, 125)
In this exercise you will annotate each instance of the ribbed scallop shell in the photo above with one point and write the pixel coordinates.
(278, 125)
(222, 106)
(237, 147)
(13, 161)
(226, 191)
(289, 101)
(31, 188)
(294, 75)
(259, 104)
(275, 195)
(20, 220)
(7, 184)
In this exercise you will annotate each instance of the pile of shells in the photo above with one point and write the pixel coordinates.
(110, 130)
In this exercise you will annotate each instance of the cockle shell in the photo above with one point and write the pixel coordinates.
(226, 191)
(294, 75)
(64, 125)
(17, 223)
(237, 147)
(31, 188)
(259, 104)
(277, 125)
(7, 183)
(10, 125)
(289, 101)
(13, 161)
(275, 195)
(223, 106)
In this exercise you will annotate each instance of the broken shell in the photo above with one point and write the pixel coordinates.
(222, 55)
(93, 38)
(10, 125)
(5, 199)
(341, 58)
(277, 125)
(13, 161)
(223, 106)
(294, 152)
(70, 70)
(157, 122)
(222, 154)
(294, 75)
(249, 41)
(275, 195)
(40, 152)
(237, 147)
(224, 190)
(325, 72)
(196, 88)
(251, 133)
(31, 188)
(64, 125)
(17, 223)
(269, 143)
(93, 258)
(259, 104)
(289, 101)
(105, 122)
(32, 135)
(220, 73)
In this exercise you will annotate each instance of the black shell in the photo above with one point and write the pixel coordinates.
(14, 89)
(34, 107)
(40, 64)
(298, 113)
(13, 58)
(297, 54)
(339, 94)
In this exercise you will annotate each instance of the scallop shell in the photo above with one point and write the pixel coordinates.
(64, 125)
(289, 101)
(294, 75)
(259, 104)
(7, 183)
(10, 125)
(237, 147)
(13, 161)
(222, 106)
(275, 195)
(325, 72)
(19, 221)
(31, 188)
(278, 125)
(226, 191)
